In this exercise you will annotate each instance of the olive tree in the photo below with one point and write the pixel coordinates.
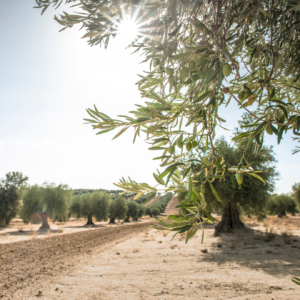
(296, 193)
(280, 205)
(91, 205)
(202, 55)
(149, 211)
(141, 212)
(132, 212)
(117, 209)
(11, 188)
(47, 200)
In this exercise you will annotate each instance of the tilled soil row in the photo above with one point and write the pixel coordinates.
(23, 263)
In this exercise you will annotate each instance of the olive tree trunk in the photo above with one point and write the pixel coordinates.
(230, 220)
(44, 216)
(126, 220)
(112, 220)
(90, 221)
(282, 214)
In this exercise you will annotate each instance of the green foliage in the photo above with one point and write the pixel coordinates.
(118, 209)
(251, 194)
(159, 206)
(133, 210)
(281, 205)
(296, 193)
(90, 205)
(143, 198)
(149, 211)
(142, 211)
(87, 191)
(48, 198)
(32, 202)
(11, 188)
(191, 46)
(57, 200)
(155, 211)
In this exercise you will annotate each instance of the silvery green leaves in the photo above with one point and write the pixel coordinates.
(201, 56)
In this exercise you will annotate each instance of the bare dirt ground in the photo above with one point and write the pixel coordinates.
(137, 262)
(17, 231)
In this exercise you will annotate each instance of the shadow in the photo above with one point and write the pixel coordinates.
(277, 255)
(31, 232)
(82, 226)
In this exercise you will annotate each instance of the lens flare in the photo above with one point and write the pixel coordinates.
(128, 30)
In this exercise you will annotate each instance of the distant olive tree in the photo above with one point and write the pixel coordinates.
(296, 193)
(11, 188)
(47, 200)
(91, 205)
(117, 209)
(132, 212)
(155, 211)
(149, 211)
(281, 205)
(141, 212)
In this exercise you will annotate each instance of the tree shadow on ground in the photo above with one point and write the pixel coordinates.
(83, 226)
(275, 254)
(32, 232)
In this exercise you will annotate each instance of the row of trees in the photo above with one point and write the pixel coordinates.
(102, 206)
(36, 203)
(159, 206)
(284, 203)
(87, 191)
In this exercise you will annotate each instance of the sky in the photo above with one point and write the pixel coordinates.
(47, 81)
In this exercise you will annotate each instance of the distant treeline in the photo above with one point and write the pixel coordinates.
(87, 191)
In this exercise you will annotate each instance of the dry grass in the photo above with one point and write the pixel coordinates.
(270, 233)
(269, 223)
(33, 233)
(287, 235)
(60, 231)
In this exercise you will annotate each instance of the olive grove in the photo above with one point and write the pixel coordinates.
(204, 54)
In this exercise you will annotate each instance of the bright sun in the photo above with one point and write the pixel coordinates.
(128, 30)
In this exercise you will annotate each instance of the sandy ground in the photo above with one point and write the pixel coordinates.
(137, 262)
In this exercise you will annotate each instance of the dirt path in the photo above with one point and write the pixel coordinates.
(28, 263)
(237, 266)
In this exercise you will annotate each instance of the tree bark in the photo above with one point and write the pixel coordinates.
(112, 220)
(44, 216)
(282, 214)
(90, 221)
(230, 220)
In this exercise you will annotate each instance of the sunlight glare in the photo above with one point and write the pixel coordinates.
(128, 30)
